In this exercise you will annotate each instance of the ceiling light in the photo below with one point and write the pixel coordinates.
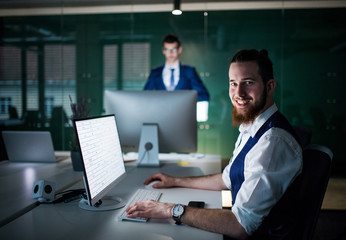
(176, 9)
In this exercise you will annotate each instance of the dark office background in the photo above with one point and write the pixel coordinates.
(45, 59)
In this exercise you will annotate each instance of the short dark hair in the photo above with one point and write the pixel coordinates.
(265, 65)
(171, 38)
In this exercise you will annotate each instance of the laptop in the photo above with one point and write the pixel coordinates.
(30, 146)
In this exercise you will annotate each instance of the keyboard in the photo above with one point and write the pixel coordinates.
(139, 195)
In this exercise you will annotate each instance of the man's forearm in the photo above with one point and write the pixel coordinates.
(220, 221)
(209, 182)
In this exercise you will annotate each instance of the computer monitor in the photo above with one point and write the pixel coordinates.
(102, 159)
(154, 121)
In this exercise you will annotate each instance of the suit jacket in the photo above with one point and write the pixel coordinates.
(189, 80)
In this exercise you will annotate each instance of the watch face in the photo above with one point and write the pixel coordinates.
(178, 210)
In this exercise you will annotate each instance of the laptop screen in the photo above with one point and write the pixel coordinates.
(29, 146)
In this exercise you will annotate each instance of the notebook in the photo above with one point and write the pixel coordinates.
(30, 146)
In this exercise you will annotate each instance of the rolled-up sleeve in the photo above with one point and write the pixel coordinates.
(269, 168)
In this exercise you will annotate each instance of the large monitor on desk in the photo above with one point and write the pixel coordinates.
(102, 160)
(154, 121)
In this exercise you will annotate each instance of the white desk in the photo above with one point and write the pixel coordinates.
(68, 221)
(17, 179)
(208, 163)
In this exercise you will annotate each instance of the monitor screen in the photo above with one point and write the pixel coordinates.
(102, 157)
(173, 111)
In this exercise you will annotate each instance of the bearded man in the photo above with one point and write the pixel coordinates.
(266, 160)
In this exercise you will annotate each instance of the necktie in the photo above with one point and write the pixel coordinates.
(171, 87)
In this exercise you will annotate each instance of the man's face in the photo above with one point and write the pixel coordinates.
(246, 91)
(171, 52)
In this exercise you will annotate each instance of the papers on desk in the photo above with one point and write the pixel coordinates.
(208, 163)
(130, 156)
(180, 156)
(226, 197)
(133, 156)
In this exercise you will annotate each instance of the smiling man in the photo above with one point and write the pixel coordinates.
(248, 94)
(266, 160)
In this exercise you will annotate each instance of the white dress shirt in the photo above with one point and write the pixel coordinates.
(167, 73)
(269, 168)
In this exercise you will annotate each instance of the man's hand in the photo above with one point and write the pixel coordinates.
(150, 209)
(165, 181)
(209, 182)
(213, 220)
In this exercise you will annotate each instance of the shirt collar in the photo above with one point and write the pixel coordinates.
(259, 121)
(175, 66)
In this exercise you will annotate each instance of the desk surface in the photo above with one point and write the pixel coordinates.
(68, 221)
(17, 179)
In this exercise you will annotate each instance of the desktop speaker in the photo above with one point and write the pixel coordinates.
(43, 190)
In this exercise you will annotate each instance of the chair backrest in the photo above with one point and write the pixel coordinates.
(296, 214)
(304, 135)
(317, 164)
(13, 113)
(31, 118)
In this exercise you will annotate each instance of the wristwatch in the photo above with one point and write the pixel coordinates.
(177, 212)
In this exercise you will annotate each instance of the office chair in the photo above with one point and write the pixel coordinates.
(57, 126)
(304, 135)
(317, 165)
(13, 113)
(31, 118)
(296, 214)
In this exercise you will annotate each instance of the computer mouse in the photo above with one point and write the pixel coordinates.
(150, 185)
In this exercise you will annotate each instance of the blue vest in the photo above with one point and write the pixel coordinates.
(237, 169)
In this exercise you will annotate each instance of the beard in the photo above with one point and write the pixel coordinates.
(250, 114)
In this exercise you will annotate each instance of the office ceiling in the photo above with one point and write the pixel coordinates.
(33, 7)
(50, 3)
(67, 3)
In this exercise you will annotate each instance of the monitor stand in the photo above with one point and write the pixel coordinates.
(148, 152)
(108, 203)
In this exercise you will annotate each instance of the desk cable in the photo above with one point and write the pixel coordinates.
(148, 146)
(68, 196)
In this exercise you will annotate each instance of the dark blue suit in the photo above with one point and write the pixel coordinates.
(188, 80)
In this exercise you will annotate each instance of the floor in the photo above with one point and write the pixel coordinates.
(331, 225)
(332, 220)
(335, 197)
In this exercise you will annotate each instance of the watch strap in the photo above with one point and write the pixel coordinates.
(178, 217)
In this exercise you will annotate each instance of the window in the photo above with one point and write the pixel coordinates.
(59, 73)
(48, 105)
(110, 66)
(5, 102)
(59, 63)
(60, 76)
(10, 79)
(135, 65)
(10, 64)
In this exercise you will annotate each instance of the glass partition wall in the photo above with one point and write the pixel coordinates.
(48, 60)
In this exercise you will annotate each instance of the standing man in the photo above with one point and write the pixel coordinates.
(174, 75)
(266, 161)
